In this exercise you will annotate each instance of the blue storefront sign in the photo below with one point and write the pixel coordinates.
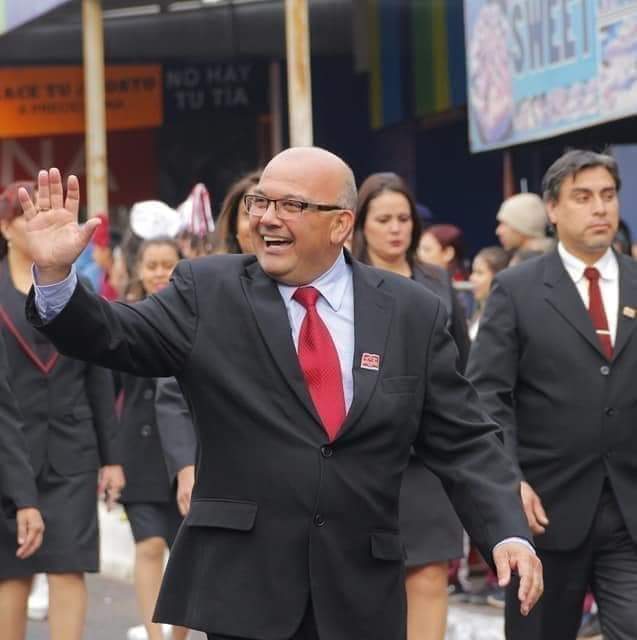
(537, 68)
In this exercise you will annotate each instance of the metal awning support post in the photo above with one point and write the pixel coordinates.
(95, 107)
(297, 37)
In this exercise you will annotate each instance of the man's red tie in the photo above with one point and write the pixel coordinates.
(596, 311)
(320, 365)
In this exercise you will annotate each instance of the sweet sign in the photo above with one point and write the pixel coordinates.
(537, 68)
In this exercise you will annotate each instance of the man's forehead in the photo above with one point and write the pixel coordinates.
(277, 181)
(597, 177)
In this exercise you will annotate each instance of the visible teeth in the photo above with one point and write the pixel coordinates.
(273, 239)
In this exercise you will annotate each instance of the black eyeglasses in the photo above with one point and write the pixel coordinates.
(285, 208)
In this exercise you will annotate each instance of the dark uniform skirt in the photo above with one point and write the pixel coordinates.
(154, 519)
(71, 541)
(429, 526)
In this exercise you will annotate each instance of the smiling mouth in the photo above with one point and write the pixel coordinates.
(272, 241)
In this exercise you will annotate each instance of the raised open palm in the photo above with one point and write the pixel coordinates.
(54, 237)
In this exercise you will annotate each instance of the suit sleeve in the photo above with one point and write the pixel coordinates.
(151, 338)
(493, 363)
(175, 426)
(461, 445)
(17, 482)
(100, 389)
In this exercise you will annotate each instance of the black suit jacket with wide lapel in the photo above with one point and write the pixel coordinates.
(568, 413)
(279, 514)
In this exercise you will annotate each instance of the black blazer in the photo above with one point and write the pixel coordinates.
(67, 405)
(439, 282)
(176, 430)
(17, 483)
(569, 415)
(278, 514)
(139, 446)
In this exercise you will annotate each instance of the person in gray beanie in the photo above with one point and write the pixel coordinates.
(521, 221)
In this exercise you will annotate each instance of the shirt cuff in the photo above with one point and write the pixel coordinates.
(518, 540)
(50, 299)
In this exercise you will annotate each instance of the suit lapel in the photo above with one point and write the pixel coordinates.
(562, 295)
(372, 317)
(627, 304)
(272, 318)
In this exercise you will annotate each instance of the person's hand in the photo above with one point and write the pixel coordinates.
(533, 509)
(54, 237)
(515, 556)
(30, 531)
(110, 484)
(185, 483)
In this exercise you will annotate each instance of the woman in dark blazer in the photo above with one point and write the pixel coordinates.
(386, 235)
(149, 497)
(69, 424)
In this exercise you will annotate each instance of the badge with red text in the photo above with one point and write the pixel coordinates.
(370, 361)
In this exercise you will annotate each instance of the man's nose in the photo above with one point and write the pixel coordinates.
(600, 206)
(270, 216)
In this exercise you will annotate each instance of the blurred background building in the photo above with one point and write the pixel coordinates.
(470, 101)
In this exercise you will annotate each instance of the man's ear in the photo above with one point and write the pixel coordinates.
(342, 226)
(551, 207)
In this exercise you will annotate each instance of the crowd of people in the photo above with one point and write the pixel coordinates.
(193, 405)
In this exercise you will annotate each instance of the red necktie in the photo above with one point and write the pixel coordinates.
(320, 365)
(596, 311)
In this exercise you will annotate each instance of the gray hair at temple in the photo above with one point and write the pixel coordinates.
(570, 164)
(349, 195)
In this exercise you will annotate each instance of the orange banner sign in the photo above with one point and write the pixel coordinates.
(37, 101)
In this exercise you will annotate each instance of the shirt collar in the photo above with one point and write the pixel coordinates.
(606, 265)
(332, 284)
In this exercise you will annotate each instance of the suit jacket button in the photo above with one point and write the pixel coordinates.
(148, 394)
(327, 452)
(609, 411)
(319, 520)
(604, 370)
(146, 430)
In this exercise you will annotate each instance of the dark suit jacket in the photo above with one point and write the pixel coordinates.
(67, 405)
(438, 281)
(17, 483)
(279, 514)
(569, 415)
(139, 446)
(176, 430)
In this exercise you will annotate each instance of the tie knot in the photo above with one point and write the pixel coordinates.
(591, 274)
(306, 296)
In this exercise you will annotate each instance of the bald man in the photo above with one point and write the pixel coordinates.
(309, 377)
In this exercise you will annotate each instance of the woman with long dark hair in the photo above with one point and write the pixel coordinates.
(232, 231)
(386, 235)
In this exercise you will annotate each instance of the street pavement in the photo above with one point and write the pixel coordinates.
(112, 607)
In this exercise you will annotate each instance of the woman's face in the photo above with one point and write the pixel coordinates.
(243, 229)
(431, 251)
(481, 278)
(15, 233)
(388, 226)
(156, 266)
